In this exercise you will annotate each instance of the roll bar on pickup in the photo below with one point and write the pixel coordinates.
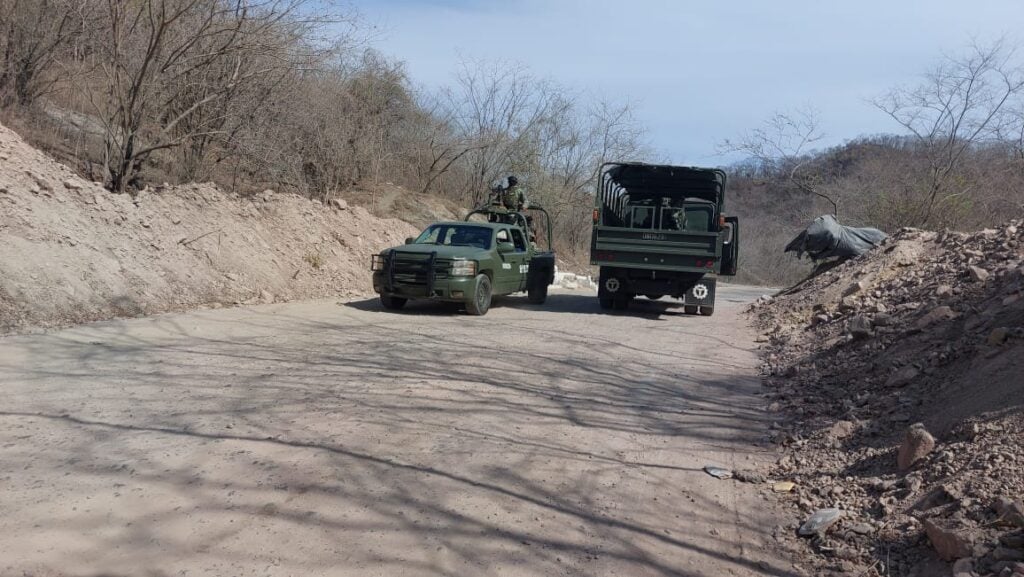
(517, 218)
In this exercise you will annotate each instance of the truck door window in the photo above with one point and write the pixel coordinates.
(503, 235)
(518, 240)
(643, 217)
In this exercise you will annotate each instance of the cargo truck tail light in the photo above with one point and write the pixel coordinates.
(597, 215)
(721, 221)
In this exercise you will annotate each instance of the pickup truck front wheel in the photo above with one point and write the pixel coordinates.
(481, 301)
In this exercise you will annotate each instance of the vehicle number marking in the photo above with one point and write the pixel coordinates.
(506, 265)
(524, 268)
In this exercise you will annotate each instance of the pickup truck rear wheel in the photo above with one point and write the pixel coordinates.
(480, 302)
(392, 303)
(537, 292)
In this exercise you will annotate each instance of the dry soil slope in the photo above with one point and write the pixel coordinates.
(928, 327)
(71, 252)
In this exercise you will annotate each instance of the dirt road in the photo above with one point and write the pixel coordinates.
(338, 439)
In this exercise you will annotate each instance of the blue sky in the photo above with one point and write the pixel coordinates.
(699, 72)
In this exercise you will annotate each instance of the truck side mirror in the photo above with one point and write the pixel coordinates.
(409, 240)
(506, 247)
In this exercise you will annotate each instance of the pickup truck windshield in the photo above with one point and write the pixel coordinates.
(456, 235)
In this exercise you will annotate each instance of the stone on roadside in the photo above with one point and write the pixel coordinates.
(855, 288)
(860, 327)
(339, 203)
(998, 336)
(963, 567)
(1010, 511)
(917, 444)
(71, 184)
(935, 315)
(944, 291)
(978, 274)
(903, 376)
(949, 542)
(841, 430)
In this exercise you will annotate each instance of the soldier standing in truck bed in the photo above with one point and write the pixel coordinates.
(512, 196)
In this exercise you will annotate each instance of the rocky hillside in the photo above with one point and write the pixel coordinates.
(73, 252)
(897, 385)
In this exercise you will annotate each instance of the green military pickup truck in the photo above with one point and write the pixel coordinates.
(661, 230)
(467, 262)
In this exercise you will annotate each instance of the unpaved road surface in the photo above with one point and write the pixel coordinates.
(326, 438)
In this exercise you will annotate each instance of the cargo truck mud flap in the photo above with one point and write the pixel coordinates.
(701, 294)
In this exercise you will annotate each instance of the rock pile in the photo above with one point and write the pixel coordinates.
(926, 329)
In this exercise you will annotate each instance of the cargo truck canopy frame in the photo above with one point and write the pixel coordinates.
(627, 187)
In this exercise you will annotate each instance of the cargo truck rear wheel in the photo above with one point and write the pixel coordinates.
(707, 311)
(690, 309)
(392, 303)
(605, 302)
(621, 302)
(480, 303)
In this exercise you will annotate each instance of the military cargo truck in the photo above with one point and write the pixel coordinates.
(467, 262)
(661, 230)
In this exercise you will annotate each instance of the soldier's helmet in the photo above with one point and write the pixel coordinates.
(512, 181)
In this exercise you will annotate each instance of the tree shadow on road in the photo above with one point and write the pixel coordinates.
(468, 457)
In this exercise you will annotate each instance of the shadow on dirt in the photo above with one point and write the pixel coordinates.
(370, 421)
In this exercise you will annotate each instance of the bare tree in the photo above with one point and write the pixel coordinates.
(783, 144)
(960, 105)
(170, 66)
(34, 36)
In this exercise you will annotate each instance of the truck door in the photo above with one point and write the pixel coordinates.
(731, 247)
(522, 265)
(508, 279)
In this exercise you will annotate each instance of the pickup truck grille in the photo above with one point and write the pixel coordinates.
(414, 268)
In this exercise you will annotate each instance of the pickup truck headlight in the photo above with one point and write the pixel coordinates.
(377, 262)
(463, 268)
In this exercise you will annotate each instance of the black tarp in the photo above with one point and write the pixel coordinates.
(826, 238)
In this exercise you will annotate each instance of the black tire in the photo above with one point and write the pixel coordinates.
(392, 303)
(480, 302)
(654, 297)
(707, 311)
(605, 302)
(621, 302)
(690, 309)
(537, 292)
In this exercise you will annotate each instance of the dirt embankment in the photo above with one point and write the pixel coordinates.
(72, 252)
(897, 380)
